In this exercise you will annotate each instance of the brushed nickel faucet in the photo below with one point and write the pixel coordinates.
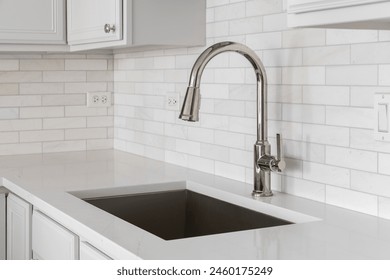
(264, 162)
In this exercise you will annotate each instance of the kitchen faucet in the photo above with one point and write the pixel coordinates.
(264, 162)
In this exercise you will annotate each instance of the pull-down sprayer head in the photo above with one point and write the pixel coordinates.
(191, 105)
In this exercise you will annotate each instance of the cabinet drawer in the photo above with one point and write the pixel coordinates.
(52, 241)
(89, 252)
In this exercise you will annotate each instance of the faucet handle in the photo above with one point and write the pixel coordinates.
(279, 164)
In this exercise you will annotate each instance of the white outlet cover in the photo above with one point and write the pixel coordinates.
(98, 99)
(172, 101)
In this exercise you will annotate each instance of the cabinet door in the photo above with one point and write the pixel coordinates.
(52, 241)
(89, 252)
(32, 22)
(18, 228)
(87, 20)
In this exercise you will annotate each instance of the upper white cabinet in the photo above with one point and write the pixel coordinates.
(32, 22)
(93, 21)
(135, 23)
(361, 14)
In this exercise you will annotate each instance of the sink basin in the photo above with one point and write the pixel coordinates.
(183, 213)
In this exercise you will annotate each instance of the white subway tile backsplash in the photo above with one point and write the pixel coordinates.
(263, 7)
(384, 73)
(364, 139)
(19, 125)
(304, 188)
(313, 75)
(274, 22)
(64, 99)
(330, 55)
(304, 113)
(370, 183)
(351, 158)
(9, 89)
(326, 95)
(283, 57)
(56, 123)
(20, 77)
(305, 37)
(384, 207)
(384, 163)
(9, 65)
(358, 75)
(9, 113)
(41, 112)
(64, 146)
(326, 174)
(86, 64)
(323, 134)
(9, 137)
(41, 64)
(353, 200)
(41, 136)
(229, 12)
(264, 41)
(230, 171)
(64, 76)
(350, 36)
(249, 25)
(350, 117)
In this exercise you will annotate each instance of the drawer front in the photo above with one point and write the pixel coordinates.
(52, 241)
(89, 252)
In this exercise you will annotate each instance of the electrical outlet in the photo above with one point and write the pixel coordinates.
(172, 101)
(98, 99)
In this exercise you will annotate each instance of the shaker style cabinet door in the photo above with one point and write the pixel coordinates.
(18, 228)
(52, 241)
(89, 252)
(94, 21)
(32, 22)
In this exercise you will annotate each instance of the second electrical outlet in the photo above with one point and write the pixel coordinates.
(98, 99)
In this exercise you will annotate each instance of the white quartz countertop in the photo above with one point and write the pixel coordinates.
(321, 231)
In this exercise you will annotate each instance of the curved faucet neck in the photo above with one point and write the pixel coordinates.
(261, 78)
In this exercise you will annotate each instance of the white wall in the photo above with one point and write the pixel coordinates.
(43, 104)
(320, 99)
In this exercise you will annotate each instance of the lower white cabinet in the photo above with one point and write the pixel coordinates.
(18, 228)
(89, 252)
(52, 241)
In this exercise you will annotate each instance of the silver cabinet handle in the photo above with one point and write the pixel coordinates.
(108, 28)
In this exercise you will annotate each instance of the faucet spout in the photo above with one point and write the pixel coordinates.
(263, 161)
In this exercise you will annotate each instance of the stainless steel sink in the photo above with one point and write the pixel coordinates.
(183, 213)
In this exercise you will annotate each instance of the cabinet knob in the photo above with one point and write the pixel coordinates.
(108, 28)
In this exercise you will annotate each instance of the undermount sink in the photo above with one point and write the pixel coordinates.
(183, 213)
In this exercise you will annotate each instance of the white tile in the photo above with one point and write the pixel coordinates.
(99, 144)
(323, 134)
(214, 3)
(64, 76)
(326, 174)
(304, 113)
(229, 139)
(304, 188)
(302, 150)
(362, 96)
(229, 107)
(275, 22)
(85, 133)
(217, 29)
(384, 163)
(82, 111)
(164, 62)
(9, 113)
(305, 37)
(330, 55)
(284, 57)
(100, 121)
(350, 117)
(285, 93)
(241, 157)
(264, 41)
(356, 201)
(20, 77)
(229, 12)
(214, 152)
(41, 135)
(56, 123)
(64, 146)
(263, 7)
(188, 147)
(364, 139)
(289, 130)
(351, 158)
(245, 26)
(313, 75)
(19, 149)
(378, 53)
(64, 99)
(41, 64)
(326, 95)
(41, 88)
(84, 87)
(18, 125)
(176, 158)
(352, 75)
(372, 183)
(214, 121)
(294, 168)
(177, 131)
(219, 91)
(384, 72)
(41, 112)
(230, 171)
(230, 76)
(9, 137)
(201, 134)
(384, 207)
(9, 89)
(201, 164)
(86, 64)
(20, 101)
(98, 76)
(9, 65)
(175, 76)
(350, 36)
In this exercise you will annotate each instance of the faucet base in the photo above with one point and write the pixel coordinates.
(256, 194)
